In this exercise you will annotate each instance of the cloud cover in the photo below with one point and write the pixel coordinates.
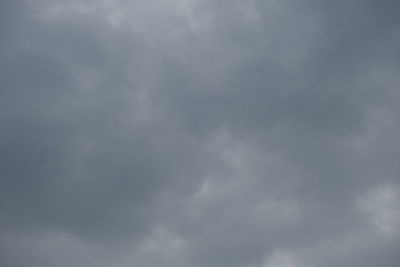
(199, 133)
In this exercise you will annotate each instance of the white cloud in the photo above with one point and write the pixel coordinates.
(282, 258)
(382, 204)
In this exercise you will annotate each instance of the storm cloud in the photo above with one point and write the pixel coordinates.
(199, 133)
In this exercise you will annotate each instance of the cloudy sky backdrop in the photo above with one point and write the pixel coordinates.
(199, 133)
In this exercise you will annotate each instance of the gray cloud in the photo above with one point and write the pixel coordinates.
(199, 133)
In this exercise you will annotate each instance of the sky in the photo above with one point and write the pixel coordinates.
(199, 133)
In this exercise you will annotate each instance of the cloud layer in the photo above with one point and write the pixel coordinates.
(199, 133)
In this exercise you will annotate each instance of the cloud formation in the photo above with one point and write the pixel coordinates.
(199, 133)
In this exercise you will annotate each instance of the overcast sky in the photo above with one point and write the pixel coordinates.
(199, 133)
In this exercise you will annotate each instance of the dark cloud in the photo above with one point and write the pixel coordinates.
(199, 133)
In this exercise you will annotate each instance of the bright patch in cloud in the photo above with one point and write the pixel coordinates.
(382, 204)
